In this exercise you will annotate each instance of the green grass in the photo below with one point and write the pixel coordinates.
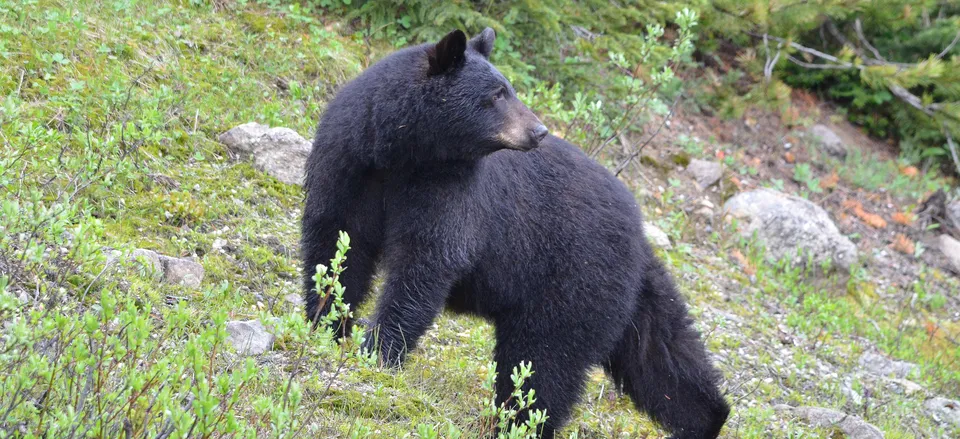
(872, 174)
(109, 119)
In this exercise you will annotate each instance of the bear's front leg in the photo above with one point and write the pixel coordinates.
(412, 298)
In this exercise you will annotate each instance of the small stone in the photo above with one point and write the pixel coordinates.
(853, 426)
(656, 236)
(249, 337)
(149, 260)
(706, 173)
(219, 244)
(113, 255)
(829, 141)
(181, 271)
(943, 410)
(704, 212)
(953, 214)
(906, 387)
(951, 249)
(878, 364)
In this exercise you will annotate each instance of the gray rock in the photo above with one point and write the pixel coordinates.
(828, 140)
(878, 364)
(656, 236)
(180, 271)
(851, 425)
(280, 152)
(241, 139)
(249, 337)
(905, 387)
(953, 214)
(943, 410)
(149, 260)
(704, 212)
(706, 173)
(951, 250)
(787, 225)
(113, 255)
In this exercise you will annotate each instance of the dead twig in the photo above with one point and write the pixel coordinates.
(949, 46)
(769, 64)
(863, 40)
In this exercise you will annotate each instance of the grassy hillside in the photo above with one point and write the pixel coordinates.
(108, 142)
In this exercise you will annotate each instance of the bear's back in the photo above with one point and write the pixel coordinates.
(554, 204)
(561, 175)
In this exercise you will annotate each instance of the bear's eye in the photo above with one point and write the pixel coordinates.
(501, 93)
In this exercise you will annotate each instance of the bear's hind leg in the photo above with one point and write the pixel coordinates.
(662, 364)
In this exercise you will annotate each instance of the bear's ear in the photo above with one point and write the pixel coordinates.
(448, 53)
(483, 42)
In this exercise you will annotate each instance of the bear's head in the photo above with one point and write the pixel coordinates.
(476, 108)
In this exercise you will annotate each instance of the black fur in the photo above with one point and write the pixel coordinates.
(413, 160)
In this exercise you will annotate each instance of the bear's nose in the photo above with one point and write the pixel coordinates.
(539, 133)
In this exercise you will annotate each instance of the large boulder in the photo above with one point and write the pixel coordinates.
(828, 140)
(280, 152)
(790, 226)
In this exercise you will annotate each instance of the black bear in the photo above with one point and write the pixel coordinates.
(445, 179)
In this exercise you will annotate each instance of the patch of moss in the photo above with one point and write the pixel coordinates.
(680, 159)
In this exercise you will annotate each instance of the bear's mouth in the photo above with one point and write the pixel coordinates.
(520, 148)
(532, 142)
